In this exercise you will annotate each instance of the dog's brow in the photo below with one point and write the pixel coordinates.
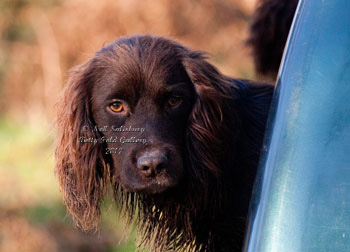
(175, 85)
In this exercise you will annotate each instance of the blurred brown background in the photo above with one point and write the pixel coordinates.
(40, 41)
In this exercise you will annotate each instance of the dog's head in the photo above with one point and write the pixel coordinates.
(144, 113)
(144, 96)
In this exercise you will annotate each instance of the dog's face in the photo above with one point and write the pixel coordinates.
(146, 113)
(159, 109)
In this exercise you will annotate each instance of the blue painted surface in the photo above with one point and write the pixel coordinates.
(302, 196)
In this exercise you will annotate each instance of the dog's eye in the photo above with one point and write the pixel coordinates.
(173, 101)
(116, 107)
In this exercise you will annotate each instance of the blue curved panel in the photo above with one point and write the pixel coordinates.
(301, 201)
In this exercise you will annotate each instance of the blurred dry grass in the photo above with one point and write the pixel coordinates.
(40, 41)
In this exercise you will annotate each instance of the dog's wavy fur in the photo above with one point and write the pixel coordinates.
(206, 211)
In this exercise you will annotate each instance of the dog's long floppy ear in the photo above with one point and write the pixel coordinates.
(81, 168)
(206, 128)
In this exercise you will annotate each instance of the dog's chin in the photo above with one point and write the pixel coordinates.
(152, 186)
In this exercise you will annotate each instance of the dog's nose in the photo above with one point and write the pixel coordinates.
(152, 163)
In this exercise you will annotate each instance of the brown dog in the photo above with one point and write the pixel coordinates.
(268, 34)
(178, 141)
